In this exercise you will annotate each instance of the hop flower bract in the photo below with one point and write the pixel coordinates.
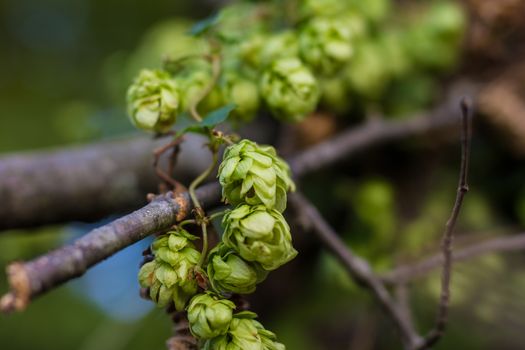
(254, 174)
(209, 316)
(153, 101)
(259, 234)
(170, 276)
(326, 44)
(228, 272)
(289, 89)
(245, 333)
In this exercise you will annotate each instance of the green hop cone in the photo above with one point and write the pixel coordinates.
(249, 51)
(289, 89)
(433, 40)
(242, 92)
(258, 234)
(367, 74)
(193, 82)
(326, 44)
(239, 20)
(245, 333)
(391, 44)
(281, 45)
(170, 277)
(153, 101)
(254, 174)
(374, 11)
(317, 8)
(228, 272)
(262, 49)
(209, 316)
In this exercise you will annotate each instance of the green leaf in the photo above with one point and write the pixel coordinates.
(218, 116)
(203, 26)
(196, 129)
(213, 118)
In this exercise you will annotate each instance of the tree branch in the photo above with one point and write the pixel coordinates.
(375, 132)
(358, 268)
(411, 271)
(90, 182)
(30, 279)
(448, 236)
(85, 183)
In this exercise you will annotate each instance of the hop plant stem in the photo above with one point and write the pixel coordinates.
(198, 207)
(216, 72)
(218, 214)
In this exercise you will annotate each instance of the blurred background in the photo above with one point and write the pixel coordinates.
(64, 69)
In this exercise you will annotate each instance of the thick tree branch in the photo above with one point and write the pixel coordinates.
(32, 278)
(412, 271)
(85, 183)
(358, 268)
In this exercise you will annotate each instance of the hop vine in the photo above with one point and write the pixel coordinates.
(289, 58)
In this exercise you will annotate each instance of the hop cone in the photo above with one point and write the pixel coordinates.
(170, 276)
(228, 272)
(245, 333)
(244, 93)
(254, 174)
(209, 316)
(153, 101)
(433, 40)
(281, 45)
(317, 8)
(326, 44)
(368, 75)
(289, 89)
(193, 82)
(259, 234)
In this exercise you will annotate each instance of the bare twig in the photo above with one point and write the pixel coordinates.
(55, 268)
(402, 295)
(448, 236)
(411, 271)
(358, 268)
(163, 175)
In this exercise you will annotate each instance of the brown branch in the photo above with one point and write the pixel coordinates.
(358, 268)
(448, 236)
(377, 131)
(411, 271)
(63, 264)
(31, 279)
(174, 145)
(85, 183)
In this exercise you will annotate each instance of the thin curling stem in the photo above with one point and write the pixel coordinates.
(216, 72)
(217, 214)
(204, 252)
(198, 207)
(187, 222)
(199, 180)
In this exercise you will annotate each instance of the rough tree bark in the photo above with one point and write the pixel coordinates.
(85, 183)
